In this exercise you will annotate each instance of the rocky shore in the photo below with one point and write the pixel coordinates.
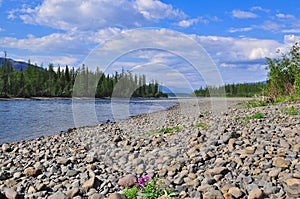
(240, 153)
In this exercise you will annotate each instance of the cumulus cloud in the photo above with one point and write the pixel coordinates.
(190, 22)
(53, 43)
(96, 14)
(259, 8)
(285, 16)
(243, 14)
(155, 9)
(270, 25)
(233, 30)
(229, 49)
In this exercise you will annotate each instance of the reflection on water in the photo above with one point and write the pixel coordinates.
(26, 119)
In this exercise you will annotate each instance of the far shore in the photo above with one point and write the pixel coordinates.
(88, 98)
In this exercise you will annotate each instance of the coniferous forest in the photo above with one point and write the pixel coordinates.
(34, 81)
(233, 90)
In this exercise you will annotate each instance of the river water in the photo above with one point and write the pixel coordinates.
(27, 119)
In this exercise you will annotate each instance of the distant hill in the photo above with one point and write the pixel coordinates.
(18, 65)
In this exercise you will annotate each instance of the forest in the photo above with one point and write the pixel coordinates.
(34, 81)
(233, 90)
(283, 80)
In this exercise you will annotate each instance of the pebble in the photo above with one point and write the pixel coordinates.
(280, 162)
(116, 196)
(6, 148)
(230, 158)
(235, 192)
(31, 171)
(293, 187)
(127, 180)
(11, 194)
(255, 194)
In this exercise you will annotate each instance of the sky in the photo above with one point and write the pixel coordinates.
(236, 35)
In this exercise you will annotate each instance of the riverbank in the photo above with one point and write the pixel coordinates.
(240, 153)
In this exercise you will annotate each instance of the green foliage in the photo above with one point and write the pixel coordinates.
(201, 125)
(255, 116)
(35, 81)
(166, 130)
(131, 193)
(291, 111)
(232, 90)
(283, 75)
(149, 189)
(152, 190)
(254, 103)
(297, 84)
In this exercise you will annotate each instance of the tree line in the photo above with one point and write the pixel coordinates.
(284, 74)
(283, 79)
(34, 81)
(232, 90)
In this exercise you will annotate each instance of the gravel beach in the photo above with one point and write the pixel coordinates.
(195, 149)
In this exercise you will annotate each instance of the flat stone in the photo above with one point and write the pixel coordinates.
(249, 150)
(296, 147)
(280, 162)
(31, 171)
(274, 172)
(11, 193)
(213, 194)
(127, 180)
(72, 173)
(235, 192)
(216, 171)
(63, 161)
(89, 184)
(225, 188)
(292, 181)
(293, 187)
(116, 196)
(255, 194)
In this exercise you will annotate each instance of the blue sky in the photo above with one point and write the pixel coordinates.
(238, 35)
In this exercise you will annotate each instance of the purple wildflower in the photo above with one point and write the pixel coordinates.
(141, 182)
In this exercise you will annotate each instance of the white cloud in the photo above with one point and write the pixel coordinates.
(155, 10)
(258, 8)
(45, 60)
(270, 25)
(243, 14)
(233, 30)
(230, 50)
(189, 22)
(227, 65)
(291, 39)
(291, 30)
(285, 16)
(256, 67)
(97, 14)
(53, 43)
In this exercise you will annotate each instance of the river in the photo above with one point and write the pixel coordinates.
(28, 119)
